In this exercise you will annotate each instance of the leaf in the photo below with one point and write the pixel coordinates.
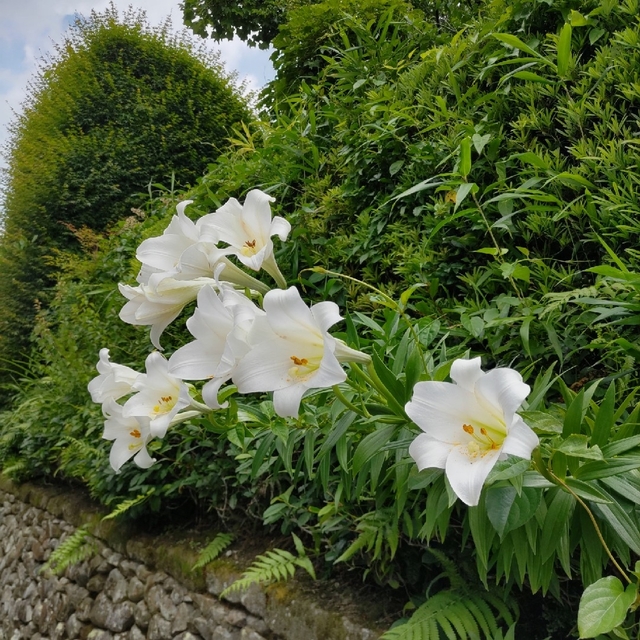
(336, 433)
(480, 142)
(564, 50)
(573, 417)
(358, 83)
(604, 419)
(542, 421)
(595, 34)
(213, 550)
(621, 522)
(588, 491)
(395, 167)
(463, 191)
(516, 43)
(529, 76)
(492, 251)
(370, 445)
(555, 523)
(507, 510)
(577, 446)
(531, 158)
(576, 19)
(465, 159)
(604, 606)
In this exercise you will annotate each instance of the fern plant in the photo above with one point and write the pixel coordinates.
(76, 548)
(457, 613)
(124, 506)
(273, 566)
(213, 550)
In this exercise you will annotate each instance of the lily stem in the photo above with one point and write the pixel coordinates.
(615, 563)
(347, 403)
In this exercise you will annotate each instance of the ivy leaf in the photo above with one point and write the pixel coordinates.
(604, 606)
(480, 142)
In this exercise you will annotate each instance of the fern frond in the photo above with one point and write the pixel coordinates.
(128, 504)
(75, 449)
(273, 566)
(74, 549)
(455, 614)
(13, 468)
(213, 550)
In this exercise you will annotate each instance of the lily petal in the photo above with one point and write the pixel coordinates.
(429, 453)
(504, 390)
(441, 409)
(521, 440)
(465, 373)
(466, 474)
(286, 401)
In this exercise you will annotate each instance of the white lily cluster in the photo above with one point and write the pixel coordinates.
(176, 265)
(283, 347)
(155, 400)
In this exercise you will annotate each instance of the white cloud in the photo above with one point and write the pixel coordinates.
(28, 29)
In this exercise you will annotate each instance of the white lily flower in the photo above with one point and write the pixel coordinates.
(292, 351)
(160, 396)
(131, 436)
(159, 305)
(114, 381)
(188, 250)
(469, 424)
(220, 326)
(248, 230)
(166, 254)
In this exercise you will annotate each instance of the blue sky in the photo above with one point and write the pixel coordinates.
(29, 28)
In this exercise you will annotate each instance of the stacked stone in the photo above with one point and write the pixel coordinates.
(105, 597)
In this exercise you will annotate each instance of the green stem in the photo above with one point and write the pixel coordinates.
(547, 473)
(391, 400)
(347, 403)
(498, 256)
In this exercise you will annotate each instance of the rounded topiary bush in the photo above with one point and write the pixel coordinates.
(118, 107)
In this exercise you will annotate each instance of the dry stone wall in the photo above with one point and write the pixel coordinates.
(135, 587)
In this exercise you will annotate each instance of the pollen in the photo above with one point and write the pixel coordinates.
(135, 434)
(166, 398)
(300, 362)
(468, 428)
(248, 248)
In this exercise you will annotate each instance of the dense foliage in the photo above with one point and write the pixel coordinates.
(485, 184)
(119, 106)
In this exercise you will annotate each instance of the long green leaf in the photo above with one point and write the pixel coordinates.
(564, 50)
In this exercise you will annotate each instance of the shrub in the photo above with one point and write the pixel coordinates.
(118, 107)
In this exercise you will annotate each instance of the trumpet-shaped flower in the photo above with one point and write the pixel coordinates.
(181, 251)
(114, 381)
(220, 326)
(469, 424)
(160, 396)
(248, 229)
(292, 351)
(158, 306)
(188, 250)
(130, 434)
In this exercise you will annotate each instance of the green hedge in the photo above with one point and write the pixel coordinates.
(120, 106)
